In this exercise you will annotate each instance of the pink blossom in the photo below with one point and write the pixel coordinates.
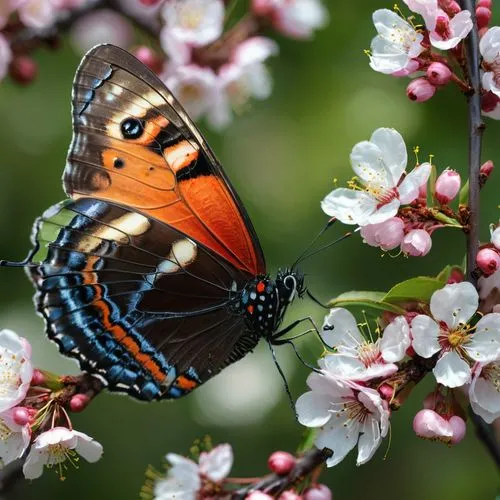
(101, 26)
(37, 14)
(447, 186)
(489, 46)
(438, 73)
(5, 56)
(420, 90)
(417, 243)
(430, 425)
(294, 18)
(488, 261)
(281, 462)
(386, 235)
(318, 492)
(458, 428)
(448, 33)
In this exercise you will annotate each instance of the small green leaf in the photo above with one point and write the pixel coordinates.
(463, 197)
(419, 289)
(371, 300)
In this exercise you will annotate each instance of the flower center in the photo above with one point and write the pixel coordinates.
(491, 373)
(191, 16)
(356, 411)
(59, 455)
(454, 339)
(10, 366)
(368, 354)
(5, 432)
(382, 195)
(190, 92)
(403, 38)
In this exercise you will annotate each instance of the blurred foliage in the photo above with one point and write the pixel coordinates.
(282, 156)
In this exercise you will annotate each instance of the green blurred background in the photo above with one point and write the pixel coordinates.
(282, 156)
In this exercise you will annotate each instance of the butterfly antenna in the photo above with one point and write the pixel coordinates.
(315, 239)
(324, 247)
(287, 387)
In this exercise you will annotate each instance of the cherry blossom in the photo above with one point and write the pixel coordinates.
(379, 165)
(346, 414)
(489, 46)
(417, 243)
(5, 56)
(355, 357)
(387, 235)
(447, 186)
(448, 333)
(186, 478)
(57, 445)
(484, 390)
(196, 22)
(429, 424)
(295, 18)
(448, 33)
(14, 438)
(396, 44)
(15, 369)
(37, 14)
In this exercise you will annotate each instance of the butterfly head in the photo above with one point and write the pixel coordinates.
(290, 284)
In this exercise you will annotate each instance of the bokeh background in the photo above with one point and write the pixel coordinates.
(282, 156)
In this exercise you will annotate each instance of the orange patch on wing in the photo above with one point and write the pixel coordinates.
(120, 335)
(185, 383)
(152, 128)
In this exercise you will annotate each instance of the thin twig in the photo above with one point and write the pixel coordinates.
(476, 127)
(275, 484)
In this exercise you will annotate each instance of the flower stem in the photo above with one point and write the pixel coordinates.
(484, 431)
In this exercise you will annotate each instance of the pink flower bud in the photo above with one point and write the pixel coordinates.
(428, 424)
(485, 3)
(483, 17)
(289, 495)
(318, 492)
(447, 186)
(149, 3)
(438, 73)
(21, 415)
(149, 58)
(489, 102)
(458, 427)
(281, 462)
(450, 7)
(488, 260)
(456, 276)
(416, 243)
(420, 90)
(263, 7)
(23, 70)
(258, 495)
(38, 377)
(386, 235)
(386, 391)
(487, 168)
(79, 402)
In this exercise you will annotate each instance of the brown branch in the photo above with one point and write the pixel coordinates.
(274, 484)
(484, 431)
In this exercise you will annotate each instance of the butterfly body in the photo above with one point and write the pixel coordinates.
(151, 274)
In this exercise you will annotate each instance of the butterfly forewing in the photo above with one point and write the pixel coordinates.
(134, 144)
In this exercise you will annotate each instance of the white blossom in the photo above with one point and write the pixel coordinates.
(484, 390)
(489, 46)
(379, 165)
(14, 438)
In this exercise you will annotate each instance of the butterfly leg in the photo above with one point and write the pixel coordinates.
(277, 340)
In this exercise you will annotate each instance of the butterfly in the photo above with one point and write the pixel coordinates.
(151, 274)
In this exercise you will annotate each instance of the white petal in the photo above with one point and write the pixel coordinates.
(489, 45)
(385, 212)
(340, 329)
(484, 395)
(183, 469)
(490, 83)
(386, 57)
(393, 148)
(349, 206)
(313, 409)
(451, 370)
(408, 189)
(369, 441)
(340, 436)
(455, 304)
(217, 463)
(33, 466)
(485, 342)
(495, 238)
(88, 448)
(335, 388)
(395, 340)
(425, 331)
(255, 50)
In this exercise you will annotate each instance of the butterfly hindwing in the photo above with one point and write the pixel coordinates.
(134, 145)
(134, 300)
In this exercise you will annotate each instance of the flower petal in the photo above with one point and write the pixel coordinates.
(455, 304)
(33, 466)
(395, 340)
(349, 206)
(88, 448)
(489, 45)
(425, 333)
(340, 330)
(217, 464)
(393, 149)
(484, 345)
(408, 189)
(451, 370)
(369, 441)
(385, 212)
(340, 436)
(313, 409)
(483, 394)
